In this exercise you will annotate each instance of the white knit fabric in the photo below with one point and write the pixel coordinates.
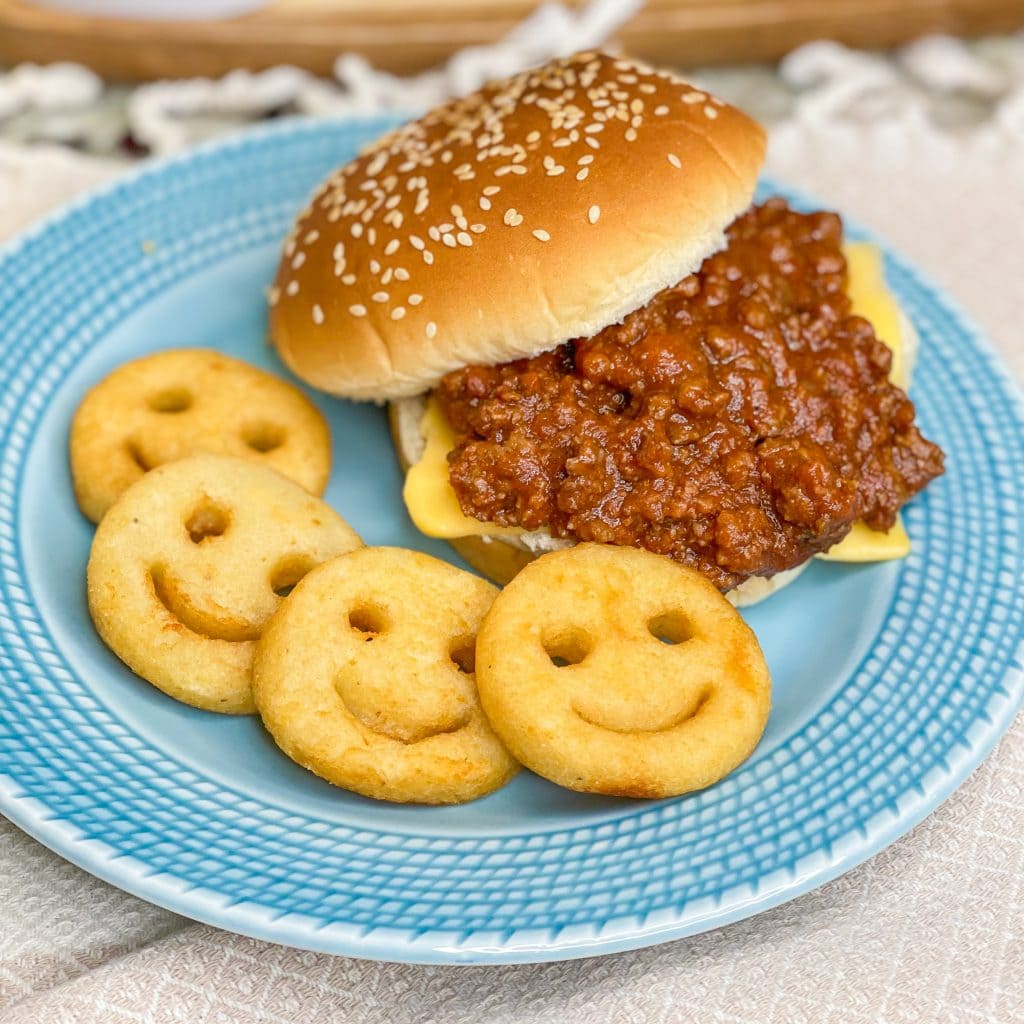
(926, 147)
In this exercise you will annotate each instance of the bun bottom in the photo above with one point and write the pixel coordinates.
(496, 559)
(500, 561)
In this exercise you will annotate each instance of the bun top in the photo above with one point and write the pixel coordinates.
(542, 208)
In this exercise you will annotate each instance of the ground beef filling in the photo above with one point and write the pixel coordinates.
(740, 422)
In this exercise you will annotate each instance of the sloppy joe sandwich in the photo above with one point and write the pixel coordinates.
(587, 332)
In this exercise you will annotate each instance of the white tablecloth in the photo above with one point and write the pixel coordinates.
(929, 930)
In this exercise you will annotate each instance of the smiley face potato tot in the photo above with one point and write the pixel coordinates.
(618, 671)
(366, 677)
(190, 563)
(187, 401)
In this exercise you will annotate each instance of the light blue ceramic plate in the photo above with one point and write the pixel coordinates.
(891, 682)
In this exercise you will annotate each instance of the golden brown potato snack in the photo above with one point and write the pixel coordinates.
(614, 670)
(182, 402)
(190, 563)
(366, 677)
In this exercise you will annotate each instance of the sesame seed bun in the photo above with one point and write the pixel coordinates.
(501, 558)
(542, 208)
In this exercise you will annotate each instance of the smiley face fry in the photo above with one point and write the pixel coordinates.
(366, 677)
(190, 563)
(182, 402)
(617, 671)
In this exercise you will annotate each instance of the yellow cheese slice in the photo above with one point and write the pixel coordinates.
(871, 299)
(428, 492)
(862, 544)
(435, 509)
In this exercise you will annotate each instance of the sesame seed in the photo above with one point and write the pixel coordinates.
(392, 247)
(431, 329)
(581, 175)
(273, 295)
(417, 243)
(434, 233)
(534, 136)
(592, 142)
(318, 314)
(587, 158)
(555, 170)
(710, 113)
(292, 289)
(385, 278)
(371, 236)
(675, 161)
(401, 274)
(661, 111)
(300, 258)
(374, 267)
(348, 279)
(449, 239)
(311, 236)
(397, 313)
(492, 190)
(357, 230)
(464, 238)
(379, 296)
(630, 135)
(693, 97)
(414, 299)
(478, 229)
(428, 257)
(358, 309)
(593, 213)
(485, 204)
(339, 252)
(541, 235)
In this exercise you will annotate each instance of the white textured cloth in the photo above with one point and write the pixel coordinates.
(929, 931)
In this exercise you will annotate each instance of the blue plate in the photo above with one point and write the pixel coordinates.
(891, 682)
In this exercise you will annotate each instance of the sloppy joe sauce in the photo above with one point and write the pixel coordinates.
(740, 422)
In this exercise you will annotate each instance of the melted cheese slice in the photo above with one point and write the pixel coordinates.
(435, 509)
(871, 299)
(428, 493)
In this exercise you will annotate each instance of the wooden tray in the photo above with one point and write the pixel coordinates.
(406, 35)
